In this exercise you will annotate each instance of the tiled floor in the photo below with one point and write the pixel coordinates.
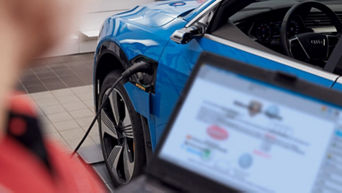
(67, 113)
(61, 88)
(58, 73)
(62, 91)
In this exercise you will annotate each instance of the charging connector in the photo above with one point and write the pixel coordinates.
(140, 66)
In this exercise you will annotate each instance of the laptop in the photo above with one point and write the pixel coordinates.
(239, 128)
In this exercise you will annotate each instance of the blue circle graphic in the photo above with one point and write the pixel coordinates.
(245, 161)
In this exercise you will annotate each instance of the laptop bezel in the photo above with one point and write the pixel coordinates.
(192, 182)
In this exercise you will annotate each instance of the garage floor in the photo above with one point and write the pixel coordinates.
(62, 90)
(62, 87)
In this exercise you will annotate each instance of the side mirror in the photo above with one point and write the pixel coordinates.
(185, 35)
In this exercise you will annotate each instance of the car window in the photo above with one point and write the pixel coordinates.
(262, 21)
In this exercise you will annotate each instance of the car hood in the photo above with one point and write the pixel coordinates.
(160, 13)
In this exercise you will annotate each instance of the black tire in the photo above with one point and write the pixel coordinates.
(123, 146)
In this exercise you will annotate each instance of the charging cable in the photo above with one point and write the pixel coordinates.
(141, 66)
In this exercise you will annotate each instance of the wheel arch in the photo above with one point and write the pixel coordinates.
(110, 57)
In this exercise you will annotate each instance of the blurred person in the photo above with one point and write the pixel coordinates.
(28, 162)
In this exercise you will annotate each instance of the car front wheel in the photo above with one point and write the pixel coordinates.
(120, 133)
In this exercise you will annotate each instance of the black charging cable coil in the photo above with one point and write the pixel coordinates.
(141, 66)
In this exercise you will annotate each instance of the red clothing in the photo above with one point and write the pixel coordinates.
(22, 172)
(27, 166)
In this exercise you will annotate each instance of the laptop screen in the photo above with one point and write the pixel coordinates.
(256, 137)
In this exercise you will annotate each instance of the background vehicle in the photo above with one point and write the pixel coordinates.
(276, 35)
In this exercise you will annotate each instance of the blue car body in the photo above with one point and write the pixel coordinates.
(146, 31)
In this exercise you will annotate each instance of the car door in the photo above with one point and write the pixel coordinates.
(177, 61)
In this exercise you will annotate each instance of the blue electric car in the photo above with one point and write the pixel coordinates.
(292, 36)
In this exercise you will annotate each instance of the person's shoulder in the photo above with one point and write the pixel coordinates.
(73, 171)
(29, 162)
(21, 103)
(21, 171)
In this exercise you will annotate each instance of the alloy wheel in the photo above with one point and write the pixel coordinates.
(117, 137)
